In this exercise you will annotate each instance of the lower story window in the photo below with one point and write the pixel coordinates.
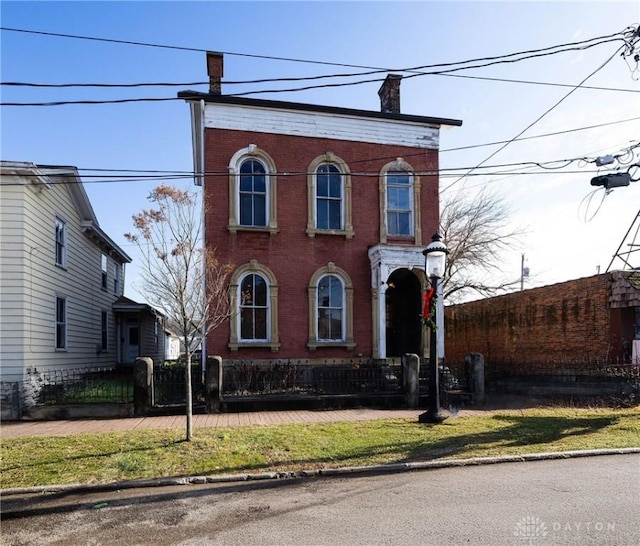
(253, 308)
(61, 323)
(104, 331)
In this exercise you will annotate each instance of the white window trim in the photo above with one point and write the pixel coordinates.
(64, 346)
(60, 227)
(104, 331)
(117, 272)
(346, 209)
(255, 153)
(104, 275)
(415, 225)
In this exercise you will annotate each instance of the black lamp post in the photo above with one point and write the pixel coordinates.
(435, 259)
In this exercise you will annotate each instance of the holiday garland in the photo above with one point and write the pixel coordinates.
(429, 309)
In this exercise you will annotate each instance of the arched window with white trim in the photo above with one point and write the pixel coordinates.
(330, 308)
(252, 191)
(254, 301)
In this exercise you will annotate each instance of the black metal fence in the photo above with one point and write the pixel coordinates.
(79, 386)
(169, 383)
(285, 377)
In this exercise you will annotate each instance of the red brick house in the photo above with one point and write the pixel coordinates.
(324, 212)
(593, 319)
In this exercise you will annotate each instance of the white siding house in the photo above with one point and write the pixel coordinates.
(60, 274)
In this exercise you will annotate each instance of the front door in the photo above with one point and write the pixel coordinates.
(132, 343)
(403, 314)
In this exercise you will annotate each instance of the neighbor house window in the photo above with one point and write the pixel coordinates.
(104, 331)
(254, 294)
(104, 272)
(117, 269)
(330, 308)
(61, 323)
(329, 197)
(399, 192)
(252, 191)
(61, 243)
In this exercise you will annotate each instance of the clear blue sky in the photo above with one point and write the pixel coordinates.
(561, 243)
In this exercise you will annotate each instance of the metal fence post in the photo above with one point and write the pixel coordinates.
(213, 384)
(410, 379)
(474, 364)
(143, 386)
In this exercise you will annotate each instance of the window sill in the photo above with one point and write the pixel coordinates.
(275, 347)
(61, 350)
(313, 345)
(271, 230)
(347, 234)
(61, 266)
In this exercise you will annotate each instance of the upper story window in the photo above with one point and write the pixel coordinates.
(253, 194)
(117, 271)
(61, 243)
(254, 298)
(399, 203)
(329, 197)
(252, 191)
(330, 308)
(400, 196)
(104, 263)
(61, 323)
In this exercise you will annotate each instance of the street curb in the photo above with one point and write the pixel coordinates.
(343, 471)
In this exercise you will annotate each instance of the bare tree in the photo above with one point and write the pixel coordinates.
(182, 279)
(476, 230)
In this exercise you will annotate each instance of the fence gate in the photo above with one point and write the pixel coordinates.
(169, 384)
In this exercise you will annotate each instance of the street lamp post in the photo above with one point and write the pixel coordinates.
(435, 258)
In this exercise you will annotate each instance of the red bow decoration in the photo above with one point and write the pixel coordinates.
(428, 296)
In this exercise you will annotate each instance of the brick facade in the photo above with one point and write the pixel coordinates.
(573, 320)
(291, 254)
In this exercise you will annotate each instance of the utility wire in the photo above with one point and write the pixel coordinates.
(539, 118)
(615, 36)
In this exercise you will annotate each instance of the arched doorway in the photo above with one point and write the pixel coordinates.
(403, 314)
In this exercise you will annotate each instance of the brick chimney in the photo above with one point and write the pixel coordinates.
(215, 69)
(389, 94)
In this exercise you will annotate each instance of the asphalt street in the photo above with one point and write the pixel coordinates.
(582, 501)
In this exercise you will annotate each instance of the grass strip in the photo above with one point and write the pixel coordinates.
(108, 457)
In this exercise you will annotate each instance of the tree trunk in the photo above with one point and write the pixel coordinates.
(189, 398)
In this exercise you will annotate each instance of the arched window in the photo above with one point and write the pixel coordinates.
(399, 199)
(330, 308)
(253, 194)
(252, 191)
(329, 197)
(254, 303)
(254, 308)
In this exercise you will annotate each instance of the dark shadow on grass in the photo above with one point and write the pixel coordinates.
(521, 430)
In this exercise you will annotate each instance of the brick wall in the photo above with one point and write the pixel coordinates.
(568, 321)
(291, 254)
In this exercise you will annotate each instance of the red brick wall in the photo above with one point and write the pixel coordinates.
(569, 320)
(291, 254)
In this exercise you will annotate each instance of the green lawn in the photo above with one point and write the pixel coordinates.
(107, 457)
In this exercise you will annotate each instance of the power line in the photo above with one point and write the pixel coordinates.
(619, 35)
(539, 118)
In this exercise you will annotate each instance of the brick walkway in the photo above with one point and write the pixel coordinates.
(16, 429)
